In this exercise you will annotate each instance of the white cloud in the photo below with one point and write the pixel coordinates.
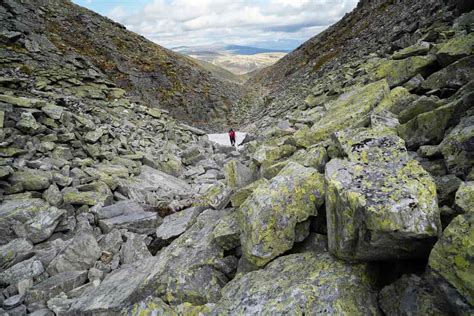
(203, 22)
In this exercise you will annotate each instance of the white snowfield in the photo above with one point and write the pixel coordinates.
(224, 139)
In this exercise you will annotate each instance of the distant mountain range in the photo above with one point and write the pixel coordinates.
(237, 59)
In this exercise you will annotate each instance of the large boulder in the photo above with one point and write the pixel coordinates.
(451, 262)
(380, 204)
(42, 226)
(452, 77)
(134, 249)
(191, 269)
(398, 72)
(349, 109)
(23, 270)
(455, 49)
(51, 287)
(269, 216)
(465, 196)
(429, 128)
(301, 284)
(15, 248)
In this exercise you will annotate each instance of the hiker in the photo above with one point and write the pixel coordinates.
(232, 137)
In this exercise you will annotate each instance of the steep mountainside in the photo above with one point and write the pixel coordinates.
(59, 35)
(375, 28)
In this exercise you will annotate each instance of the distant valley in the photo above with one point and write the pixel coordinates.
(240, 60)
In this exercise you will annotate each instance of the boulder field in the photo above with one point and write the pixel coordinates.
(358, 202)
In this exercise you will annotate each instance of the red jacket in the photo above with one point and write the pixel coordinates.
(232, 134)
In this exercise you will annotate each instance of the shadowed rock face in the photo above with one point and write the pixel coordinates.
(144, 69)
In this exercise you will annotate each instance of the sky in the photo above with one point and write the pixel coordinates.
(275, 24)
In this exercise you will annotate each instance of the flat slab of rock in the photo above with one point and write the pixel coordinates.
(177, 223)
(129, 215)
(51, 287)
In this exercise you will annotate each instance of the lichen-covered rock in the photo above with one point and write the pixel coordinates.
(420, 48)
(53, 111)
(42, 226)
(428, 128)
(411, 295)
(79, 254)
(396, 101)
(239, 197)
(216, 196)
(149, 307)
(31, 180)
(267, 155)
(398, 72)
(421, 105)
(314, 156)
(23, 270)
(51, 287)
(237, 175)
(227, 232)
(458, 149)
(347, 110)
(455, 49)
(451, 258)
(13, 249)
(268, 217)
(452, 77)
(299, 284)
(380, 204)
(90, 194)
(18, 211)
(465, 196)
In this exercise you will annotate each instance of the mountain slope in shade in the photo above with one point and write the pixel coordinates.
(158, 76)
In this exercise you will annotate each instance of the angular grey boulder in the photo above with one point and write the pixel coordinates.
(128, 215)
(42, 226)
(177, 223)
(18, 211)
(134, 249)
(14, 248)
(24, 270)
(79, 254)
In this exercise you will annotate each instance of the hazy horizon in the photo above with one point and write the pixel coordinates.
(267, 24)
